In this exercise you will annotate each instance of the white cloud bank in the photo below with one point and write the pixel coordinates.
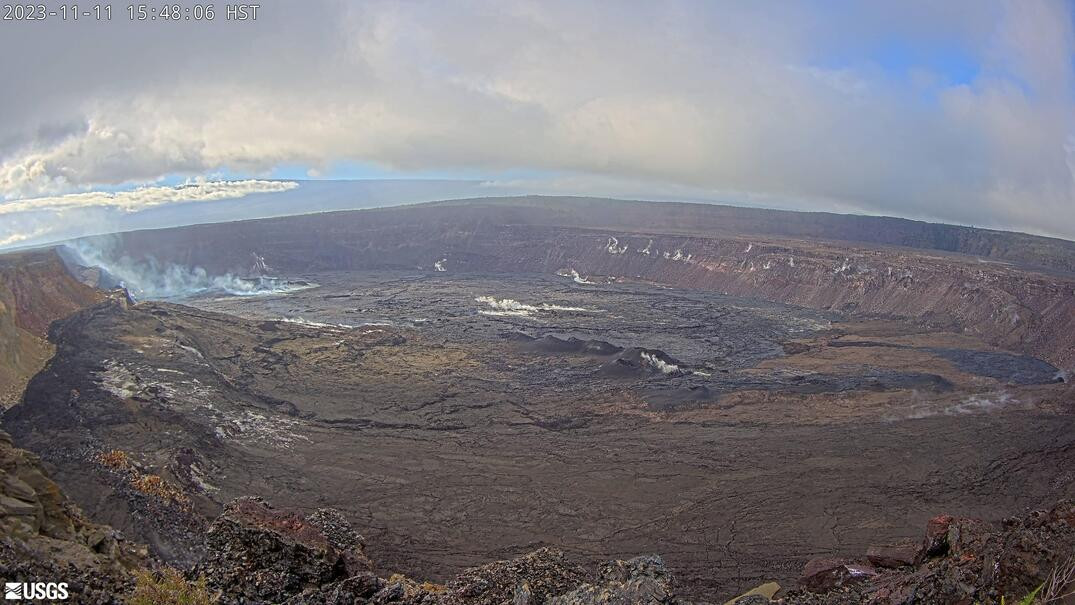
(745, 101)
(26, 220)
(142, 198)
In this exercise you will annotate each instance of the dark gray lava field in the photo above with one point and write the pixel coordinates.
(462, 417)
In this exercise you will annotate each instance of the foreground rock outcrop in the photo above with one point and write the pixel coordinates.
(44, 537)
(958, 561)
(256, 554)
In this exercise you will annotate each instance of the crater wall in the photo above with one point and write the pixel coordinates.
(1014, 305)
(35, 289)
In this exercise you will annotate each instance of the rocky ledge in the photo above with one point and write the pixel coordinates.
(45, 537)
(958, 561)
(257, 554)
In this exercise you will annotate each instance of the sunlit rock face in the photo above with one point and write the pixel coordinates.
(35, 289)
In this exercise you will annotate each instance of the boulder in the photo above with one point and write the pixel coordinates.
(935, 543)
(893, 556)
(367, 588)
(973, 561)
(825, 574)
(529, 579)
(638, 581)
(43, 535)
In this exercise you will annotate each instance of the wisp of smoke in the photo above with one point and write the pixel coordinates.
(574, 275)
(975, 404)
(660, 364)
(508, 307)
(150, 279)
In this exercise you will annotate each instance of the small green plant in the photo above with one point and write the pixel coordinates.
(1030, 599)
(169, 587)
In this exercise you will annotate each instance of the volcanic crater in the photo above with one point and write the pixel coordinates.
(468, 385)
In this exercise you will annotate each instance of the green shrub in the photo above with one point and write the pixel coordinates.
(169, 587)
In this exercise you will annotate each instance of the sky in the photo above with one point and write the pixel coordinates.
(955, 111)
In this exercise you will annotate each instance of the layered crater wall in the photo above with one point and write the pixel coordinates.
(35, 290)
(987, 283)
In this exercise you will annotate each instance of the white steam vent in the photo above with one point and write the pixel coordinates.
(508, 307)
(148, 278)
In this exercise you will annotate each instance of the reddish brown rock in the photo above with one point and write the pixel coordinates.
(893, 556)
(936, 540)
(825, 574)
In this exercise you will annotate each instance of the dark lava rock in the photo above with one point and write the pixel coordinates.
(641, 581)
(893, 556)
(795, 348)
(637, 362)
(1014, 369)
(526, 580)
(572, 345)
(367, 588)
(825, 574)
(983, 562)
(257, 554)
(679, 398)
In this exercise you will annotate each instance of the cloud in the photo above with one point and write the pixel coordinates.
(142, 198)
(749, 100)
(33, 220)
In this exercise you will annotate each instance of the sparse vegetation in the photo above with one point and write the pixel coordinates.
(149, 484)
(155, 485)
(116, 459)
(1057, 588)
(412, 588)
(169, 587)
(1030, 599)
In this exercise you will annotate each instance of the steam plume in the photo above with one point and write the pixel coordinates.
(149, 279)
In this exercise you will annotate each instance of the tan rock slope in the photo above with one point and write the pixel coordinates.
(35, 289)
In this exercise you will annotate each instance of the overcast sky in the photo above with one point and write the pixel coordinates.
(954, 111)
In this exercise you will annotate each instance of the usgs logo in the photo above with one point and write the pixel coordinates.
(19, 591)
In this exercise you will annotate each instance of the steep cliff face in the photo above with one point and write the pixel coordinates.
(1029, 312)
(682, 245)
(35, 289)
